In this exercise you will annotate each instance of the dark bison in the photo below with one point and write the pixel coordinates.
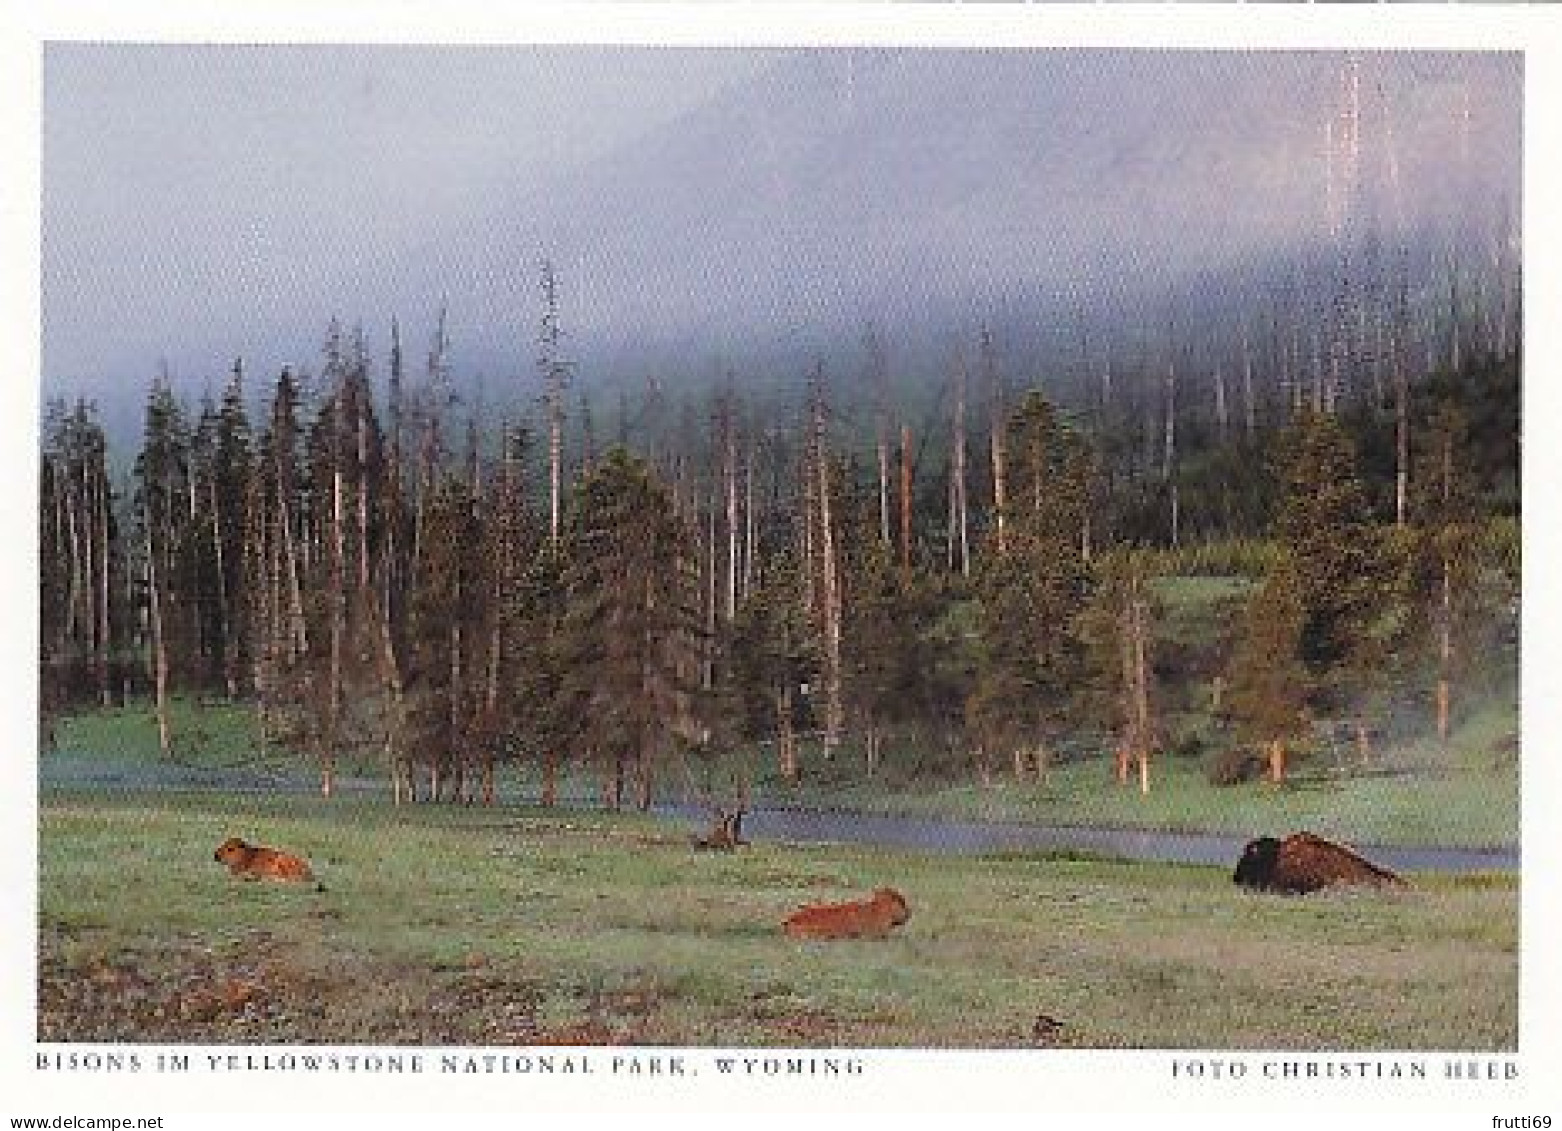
(1302, 863)
(726, 833)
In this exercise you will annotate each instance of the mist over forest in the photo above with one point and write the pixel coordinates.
(751, 211)
(973, 409)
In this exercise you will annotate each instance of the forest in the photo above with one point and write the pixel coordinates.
(717, 589)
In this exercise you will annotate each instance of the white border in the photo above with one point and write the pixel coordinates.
(931, 1081)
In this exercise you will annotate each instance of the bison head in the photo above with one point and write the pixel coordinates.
(1256, 869)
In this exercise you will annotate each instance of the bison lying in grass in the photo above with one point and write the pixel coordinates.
(870, 919)
(1303, 863)
(254, 862)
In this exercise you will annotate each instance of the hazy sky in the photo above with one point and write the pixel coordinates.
(242, 187)
(202, 202)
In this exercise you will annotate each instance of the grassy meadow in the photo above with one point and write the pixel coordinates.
(518, 926)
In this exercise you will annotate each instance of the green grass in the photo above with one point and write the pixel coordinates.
(1476, 808)
(1414, 794)
(216, 736)
(212, 736)
(1201, 605)
(444, 925)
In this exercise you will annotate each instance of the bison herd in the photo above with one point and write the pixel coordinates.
(1297, 865)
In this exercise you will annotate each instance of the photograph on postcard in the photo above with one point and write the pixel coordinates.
(821, 548)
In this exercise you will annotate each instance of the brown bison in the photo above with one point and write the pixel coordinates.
(254, 862)
(868, 919)
(1303, 863)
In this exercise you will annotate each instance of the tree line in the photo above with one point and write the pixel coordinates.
(382, 575)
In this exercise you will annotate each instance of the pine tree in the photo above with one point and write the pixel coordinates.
(1341, 567)
(629, 637)
(769, 653)
(275, 568)
(444, 681)
(230, 519)
(1030, 594)
(1268, 678)
(883, 657)
(163, 476)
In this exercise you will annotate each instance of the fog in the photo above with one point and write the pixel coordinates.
(206, 202)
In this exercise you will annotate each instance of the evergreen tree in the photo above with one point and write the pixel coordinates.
(275, 569)
(883, 661)
(770, 651)
(229, 503)
(1342, 571)
(164, 513)
(630, 637)
(445, 685)
(1029, 595)
(1268, 677)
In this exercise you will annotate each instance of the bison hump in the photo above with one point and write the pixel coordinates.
(1308, 863)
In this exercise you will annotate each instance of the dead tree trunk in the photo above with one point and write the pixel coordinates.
(834, 711)
(878, 377)
(159, 642)
(905, 502)
(961, 544)
(996, 426)
(1249, 407)
(786, 738)
(555, 372)
(1445, 613)
(1277, 761)
(338, 598)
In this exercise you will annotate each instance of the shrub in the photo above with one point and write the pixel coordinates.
(1235, 765)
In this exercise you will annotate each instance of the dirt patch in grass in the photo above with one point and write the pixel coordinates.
(253, 992)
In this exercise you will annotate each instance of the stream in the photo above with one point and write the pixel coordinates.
(811, 826)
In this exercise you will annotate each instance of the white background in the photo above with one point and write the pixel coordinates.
(1111, 1086)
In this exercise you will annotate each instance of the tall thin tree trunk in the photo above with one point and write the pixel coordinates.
(402, 787)
(457, 721)
(730, 474)
(1169, 457)
(708, 680)
(750, 523)
(104, 563)
(995, 427)
(1249, 408)
(159, 642)
(962, 526)
(1141, 630)
(786, 740)
(1445, 646)
(878, 377)
(1401, 436)
(1221, 417)
(224, 627)
(833, 709)
(905, 502)
(363, 501)
(550, 778)
(338, 600)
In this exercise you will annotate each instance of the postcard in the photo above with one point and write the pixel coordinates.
(654, 557)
